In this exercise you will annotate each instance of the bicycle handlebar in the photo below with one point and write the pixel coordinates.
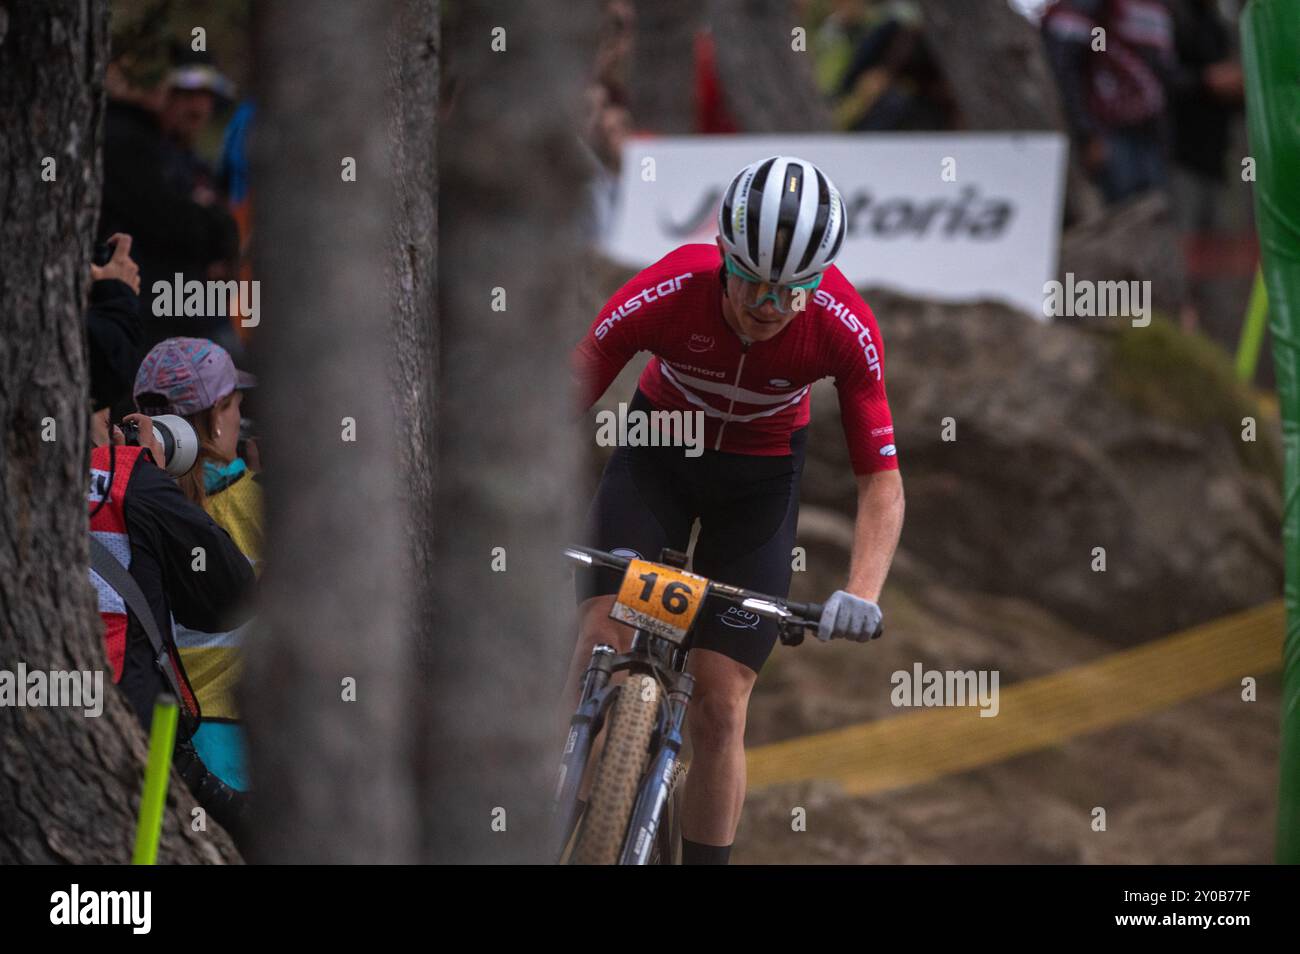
(786, 612)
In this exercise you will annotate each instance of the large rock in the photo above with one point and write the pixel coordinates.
(1067, 441)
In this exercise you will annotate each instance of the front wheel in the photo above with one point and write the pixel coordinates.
(618, 776)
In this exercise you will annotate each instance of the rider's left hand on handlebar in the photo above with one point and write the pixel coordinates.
(846, 616)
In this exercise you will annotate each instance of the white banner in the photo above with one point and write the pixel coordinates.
(952, 216)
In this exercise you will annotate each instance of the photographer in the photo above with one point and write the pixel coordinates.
(196, 379)
(184, 564)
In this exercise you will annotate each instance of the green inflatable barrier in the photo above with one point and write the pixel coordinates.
(1270, 38)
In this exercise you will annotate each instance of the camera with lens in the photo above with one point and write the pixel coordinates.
(177, 438)
(103, 254)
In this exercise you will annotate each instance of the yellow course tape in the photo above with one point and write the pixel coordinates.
(926, 744)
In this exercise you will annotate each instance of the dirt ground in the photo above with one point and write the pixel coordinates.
(1195, 783)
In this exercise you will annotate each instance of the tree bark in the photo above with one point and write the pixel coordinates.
(993, 60)
(1001, 81)
(768, 85)
(512, 179)
(69, 784)
(413, 124)
(332, 775)
(662, 82)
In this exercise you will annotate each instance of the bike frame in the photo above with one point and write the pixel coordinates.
(665, 661)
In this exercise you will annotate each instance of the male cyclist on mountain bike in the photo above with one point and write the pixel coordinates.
(740, 331)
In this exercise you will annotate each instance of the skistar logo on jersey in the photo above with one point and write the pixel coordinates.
(644, 297)
(851, 321)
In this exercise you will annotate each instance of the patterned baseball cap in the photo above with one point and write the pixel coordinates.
(185, 376)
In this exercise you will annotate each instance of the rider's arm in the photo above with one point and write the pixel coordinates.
(597, 362)
(875, 532)
(869, 430)
(624, 326)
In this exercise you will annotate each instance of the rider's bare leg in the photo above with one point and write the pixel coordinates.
(715, 785)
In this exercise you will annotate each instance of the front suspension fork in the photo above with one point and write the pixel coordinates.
(655, 787)
(583, 727)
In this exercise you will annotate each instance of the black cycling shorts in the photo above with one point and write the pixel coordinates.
(748, 508)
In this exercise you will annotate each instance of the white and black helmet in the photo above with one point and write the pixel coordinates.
(782, 219)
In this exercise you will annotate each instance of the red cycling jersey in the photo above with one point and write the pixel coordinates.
(753, 397)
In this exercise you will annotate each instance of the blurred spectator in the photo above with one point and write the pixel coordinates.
(1115, 99)
(158, 190)
(614, 48)
(890, 80)
(1208, 91)
(235, 180)
(607, 127)
(194, 89)
(113, 331)
(197, 379)
(711, 113)
(836, 40)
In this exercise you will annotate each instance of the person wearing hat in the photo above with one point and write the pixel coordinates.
(197, 380)
(137, 511)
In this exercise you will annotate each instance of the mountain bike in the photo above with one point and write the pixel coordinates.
(631, 814)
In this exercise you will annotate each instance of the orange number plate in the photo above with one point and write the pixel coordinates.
(659, 599)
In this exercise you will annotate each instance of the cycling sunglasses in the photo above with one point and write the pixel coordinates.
(779, 295)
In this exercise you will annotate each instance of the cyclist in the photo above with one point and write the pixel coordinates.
(738, 332)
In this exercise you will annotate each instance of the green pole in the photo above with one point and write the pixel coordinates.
(1252, 330)
(157, 772)
(1270, 42)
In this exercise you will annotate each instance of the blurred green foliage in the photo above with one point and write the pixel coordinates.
(1189, 379)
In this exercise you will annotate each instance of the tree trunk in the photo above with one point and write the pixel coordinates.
(69, 784)
(767, 84)
(326, 691)
(414, 93)
(993, 60)
(512, 180)
(413, 105)
(662, 82)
